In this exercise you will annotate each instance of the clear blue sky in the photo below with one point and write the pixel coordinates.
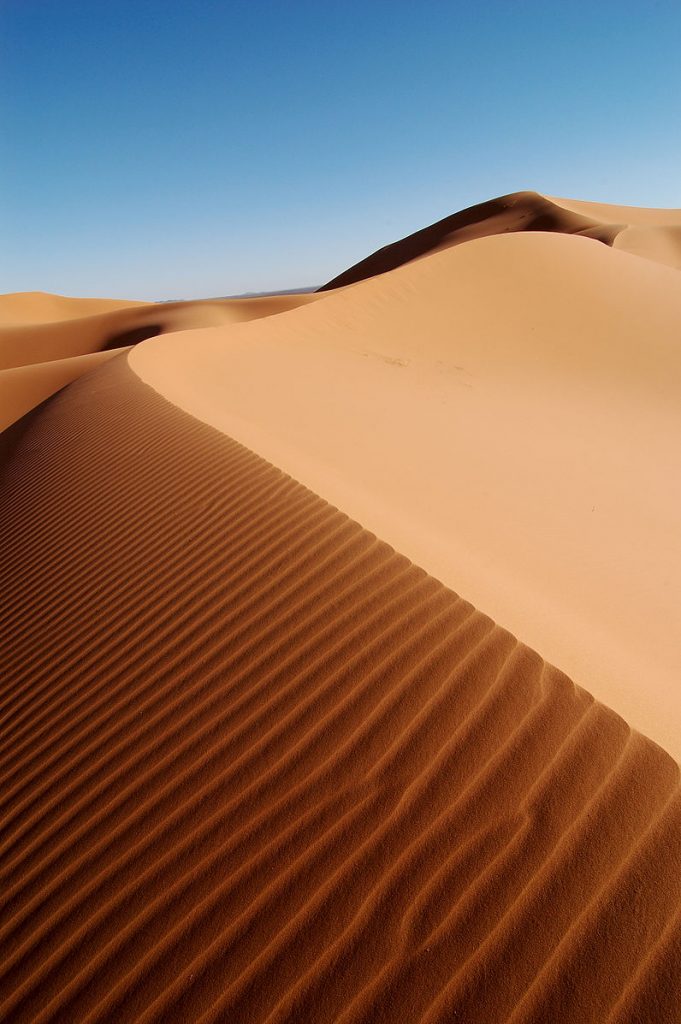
(165, 149)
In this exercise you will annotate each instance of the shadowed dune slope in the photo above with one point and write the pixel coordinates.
(507, 413)
(26, 342)
(654, 234)
(256, 766)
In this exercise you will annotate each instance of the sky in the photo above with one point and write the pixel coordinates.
(158, 149)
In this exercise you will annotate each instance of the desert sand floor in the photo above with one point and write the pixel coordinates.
(259, 761)
(256, 766)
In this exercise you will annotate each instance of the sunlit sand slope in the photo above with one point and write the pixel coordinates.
(256, 766)
(655, 234)
(507, 413)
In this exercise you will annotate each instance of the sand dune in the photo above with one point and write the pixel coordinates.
(256, 766)
(22, 388)
(42, 307)
(506, 413)
(38, 342)
(654, 234)
(46, 341)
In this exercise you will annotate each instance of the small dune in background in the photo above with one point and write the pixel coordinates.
(66, 337)
(284, 581)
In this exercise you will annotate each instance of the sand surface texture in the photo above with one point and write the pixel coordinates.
(259, 761)
(256, 766)
(506, 413)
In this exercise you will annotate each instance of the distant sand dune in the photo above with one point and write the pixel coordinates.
(26, 343)
(46, 341)
(42, 307)
(22, 388)
(256, 766)
(654, 234)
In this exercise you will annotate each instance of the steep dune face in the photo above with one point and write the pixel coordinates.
(507, 414)
(518, 211)
(654, 234)
(256, 766)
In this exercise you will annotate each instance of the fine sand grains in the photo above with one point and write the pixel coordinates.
(256, 766)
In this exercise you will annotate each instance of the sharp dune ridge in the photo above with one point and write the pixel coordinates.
(507, 414)
(652, 233)
(259, 761)
(258, 766)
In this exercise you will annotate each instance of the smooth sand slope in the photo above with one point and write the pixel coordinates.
(507, 413)
(655, 234)
(258, 767)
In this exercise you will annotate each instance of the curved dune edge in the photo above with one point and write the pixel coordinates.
(257, 766)
(506, 414)
(39, 342)
(22, 388)
(652, 234)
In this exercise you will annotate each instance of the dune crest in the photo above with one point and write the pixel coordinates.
(486, 410)
(46, 341)
(38, 342)
(654, 234)
(262, 757)
(258, 766)
(22, 388)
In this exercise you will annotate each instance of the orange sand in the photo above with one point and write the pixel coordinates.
(255, 765)
(507, 413)
(48, 340)
(655, 234)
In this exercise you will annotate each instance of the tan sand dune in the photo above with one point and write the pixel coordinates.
(258, 767)
(654, 234)
(608, 213)
(22, 388)
(507, 413)
(38, 342)
(43, 307)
